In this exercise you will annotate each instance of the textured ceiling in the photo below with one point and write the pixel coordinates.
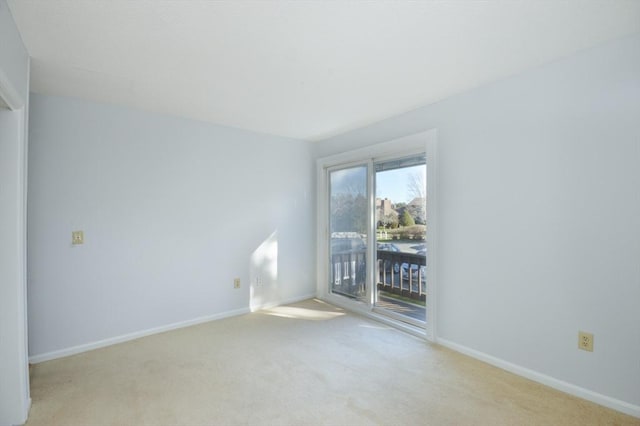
(305, 70)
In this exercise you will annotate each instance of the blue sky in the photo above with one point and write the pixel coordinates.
(393, 184)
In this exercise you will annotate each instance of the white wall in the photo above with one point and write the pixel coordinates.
(14, 379)
(172, 210)
(539, 217)
(13, 54)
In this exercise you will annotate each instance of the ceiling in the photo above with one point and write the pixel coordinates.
(306, 69)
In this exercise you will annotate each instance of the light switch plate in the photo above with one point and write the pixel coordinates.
(77, 237)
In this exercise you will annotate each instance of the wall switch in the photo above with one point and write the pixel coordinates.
(585, 341)
(77, 237)
(236, 283)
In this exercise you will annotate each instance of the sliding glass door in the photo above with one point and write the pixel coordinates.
(377, 231)
(377, 236)
(349, 231)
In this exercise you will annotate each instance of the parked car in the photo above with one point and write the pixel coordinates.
(414, 272)
(416, 279)
(396, 266)
(388, 247)
(388, 264)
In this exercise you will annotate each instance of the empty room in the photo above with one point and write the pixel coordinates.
(319, 212)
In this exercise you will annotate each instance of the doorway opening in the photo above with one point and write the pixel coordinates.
(377, 231)
(401, 249)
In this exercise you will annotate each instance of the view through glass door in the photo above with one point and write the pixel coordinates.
(401, 250)
(349, 231)
(381, 204)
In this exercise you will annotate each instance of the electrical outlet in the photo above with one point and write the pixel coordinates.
(258, 281)
(236, 283)
(77, 237)
(585, 341)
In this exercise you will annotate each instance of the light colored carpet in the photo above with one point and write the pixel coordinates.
(302, 364)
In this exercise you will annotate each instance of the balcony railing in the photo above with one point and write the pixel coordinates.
(397, 273)
(349, 272)
(402, 273)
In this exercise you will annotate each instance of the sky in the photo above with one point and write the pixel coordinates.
(391, 184)
(394, 184)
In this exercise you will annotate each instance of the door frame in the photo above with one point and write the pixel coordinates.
(423, 142)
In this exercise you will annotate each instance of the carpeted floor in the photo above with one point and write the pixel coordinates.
(302, 364)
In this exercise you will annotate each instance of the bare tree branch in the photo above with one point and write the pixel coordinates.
(417, 186)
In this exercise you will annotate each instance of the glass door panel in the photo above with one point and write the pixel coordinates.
(401, 252)
(349, 230)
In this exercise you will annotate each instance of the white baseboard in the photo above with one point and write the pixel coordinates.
(615, 404)
(34, 359)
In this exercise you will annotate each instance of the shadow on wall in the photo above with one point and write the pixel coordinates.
(263, 273)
